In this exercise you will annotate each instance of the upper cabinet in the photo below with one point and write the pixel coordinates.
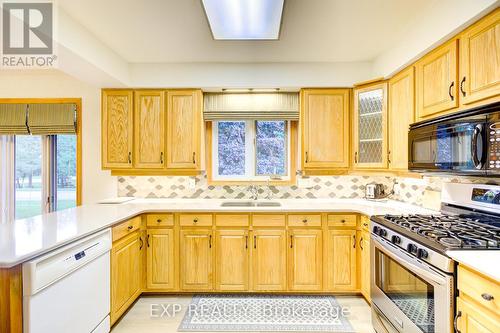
(325, 129)
(401, 115)
(437, 81)
(117, 129)
(184, 114)
(480, 60)
(370, 126)
(147, 132)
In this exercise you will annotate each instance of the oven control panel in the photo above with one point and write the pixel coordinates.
(494, 146)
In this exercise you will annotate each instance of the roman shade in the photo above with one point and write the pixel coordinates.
(38, 119)
(13, 119)
(264, 106)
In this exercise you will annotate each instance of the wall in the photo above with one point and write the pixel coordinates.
(97, 184)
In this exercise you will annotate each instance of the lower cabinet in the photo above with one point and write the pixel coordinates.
(305, 259)
(160, 259)
(269, 260)
(126, 273)
(232, 260)
(342, 260)
(364, 264)
(473, 319)
(196, 260)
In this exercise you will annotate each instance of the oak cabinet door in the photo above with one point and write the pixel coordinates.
(401, 115)
(196, 260)
(117, 129)
(269, 260)
(342, 260)
(437, 81)
(160, 259)
(149, 129)
(325, 131)
(126, 268)
(364, 247)
(232, 249)
(305, 259)
(370, 126)
(480, 60)
(473, 318)
(184, 117)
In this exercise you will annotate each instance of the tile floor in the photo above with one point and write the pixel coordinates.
(138, 318)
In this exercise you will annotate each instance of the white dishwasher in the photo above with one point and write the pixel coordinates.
(68, 290)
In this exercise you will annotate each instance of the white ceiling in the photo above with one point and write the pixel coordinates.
(176, 31)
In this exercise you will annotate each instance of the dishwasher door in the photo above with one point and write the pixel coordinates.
(68, 290)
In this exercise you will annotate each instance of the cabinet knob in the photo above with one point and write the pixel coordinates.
(343, 220)
(195, 220)
(159, 220)
(304, 220)
(130, 227)
(487, 297)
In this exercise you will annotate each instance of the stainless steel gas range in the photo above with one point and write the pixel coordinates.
(412, 279)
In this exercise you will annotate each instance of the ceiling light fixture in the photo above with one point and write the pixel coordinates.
(244, 19)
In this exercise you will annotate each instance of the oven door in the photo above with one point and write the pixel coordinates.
(454, 146)
(412, 296)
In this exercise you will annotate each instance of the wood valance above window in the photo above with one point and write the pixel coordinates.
(263, 106)
(38, 119)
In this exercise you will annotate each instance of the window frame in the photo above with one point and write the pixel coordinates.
(250, 165)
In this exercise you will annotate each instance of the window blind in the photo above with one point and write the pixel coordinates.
(47, 119)
(264, 106)
(13, 119)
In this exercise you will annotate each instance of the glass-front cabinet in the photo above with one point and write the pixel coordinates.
(370, 126)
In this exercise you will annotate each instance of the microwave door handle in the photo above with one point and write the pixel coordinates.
(477, 134)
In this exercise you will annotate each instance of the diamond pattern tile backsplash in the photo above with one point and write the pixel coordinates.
(412, 190)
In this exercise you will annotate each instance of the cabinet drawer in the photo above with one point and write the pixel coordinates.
(268, 220)
(195, 220)
(299, 220)
(479, 289)
(342, 220)
(232, 220)
(126, 228)
(160, 220)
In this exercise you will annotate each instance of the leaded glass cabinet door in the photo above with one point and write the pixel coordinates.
(370, 126)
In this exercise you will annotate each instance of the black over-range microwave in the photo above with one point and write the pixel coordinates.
(466, 143)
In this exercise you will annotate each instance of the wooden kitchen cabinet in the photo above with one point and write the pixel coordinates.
(160, 259)
(480, 62)
(149, 120)
(437, 82)
(325, 129)
(364, 264)
(474, 319)
(126, 273)
(370, 126)
(342, 260)
(232, 260)
(305, 259)
(184, 124)
(196, 259)
(401, 115)
(117, 129)
(269, 260)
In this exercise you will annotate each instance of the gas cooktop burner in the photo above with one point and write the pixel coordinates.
(452, 231)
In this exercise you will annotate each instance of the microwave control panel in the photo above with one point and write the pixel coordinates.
(494, 146)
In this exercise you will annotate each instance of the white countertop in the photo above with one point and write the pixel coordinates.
(28, 238)
(486, 262)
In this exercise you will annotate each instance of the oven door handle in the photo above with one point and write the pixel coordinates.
(436, 278)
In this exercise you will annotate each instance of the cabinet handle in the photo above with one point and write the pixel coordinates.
(246, 242)
(356, 157)
(195, 220)
(307, 157)
(142, 243)
(161, 157)
(455, 326)
(194, 157)
(462, 86)
(158, 221)
(361, 244)
(487, 297)
(449, 90)
(389, 156)
(304, 220)
(129, 157)
(147, 241)
(354, 242)
(291, 241)
(255, 242)
(210, 241)
(342, 221)
(365, 224)
(130, 227)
